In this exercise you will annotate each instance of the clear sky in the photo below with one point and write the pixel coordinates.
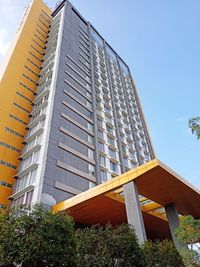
(160, 41)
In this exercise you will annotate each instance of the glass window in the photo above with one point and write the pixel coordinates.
(91, 169)
(113, 166)
(102, 160)
(90, 153)
(110, 140)
(90, 126)
(90, 139)
(88, 87)
(36, 156)
(133, 165)
(112, 153)
(91, 184)
(88, 94)
(101, 147)
(103, 176)
(33, 176)
(89, 105)
(109, 129)
(124, 149)
(100, 134)
(126, 162)
(100, 123)
(29, 196)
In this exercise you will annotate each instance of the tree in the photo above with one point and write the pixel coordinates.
(109, 247)
(194, 124)
(188, 233)
(37, 238)
(161, 254)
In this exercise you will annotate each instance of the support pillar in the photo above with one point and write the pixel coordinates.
(173, 220)
(133, 211)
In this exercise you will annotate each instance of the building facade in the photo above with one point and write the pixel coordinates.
(86, 125)
(19, 75)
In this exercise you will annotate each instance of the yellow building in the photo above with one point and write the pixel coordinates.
(19, 75)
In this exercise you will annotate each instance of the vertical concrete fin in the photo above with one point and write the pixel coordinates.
(133, 211)
(173, 220)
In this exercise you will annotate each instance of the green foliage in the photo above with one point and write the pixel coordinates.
(161, 254)
(188, 233)
(194, 124)
(108, 247)
(189, 230)
(37, 238)
(189, 257)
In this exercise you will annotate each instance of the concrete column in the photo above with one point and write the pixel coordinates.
(173, 220)
(133, 211)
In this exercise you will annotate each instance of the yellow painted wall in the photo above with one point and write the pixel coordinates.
(11, 74)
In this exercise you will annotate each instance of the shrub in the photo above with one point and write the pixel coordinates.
(37, 238)
(161, 254)
(107, 246)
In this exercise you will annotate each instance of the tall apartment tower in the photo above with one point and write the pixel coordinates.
(19, 75)
(86, 124)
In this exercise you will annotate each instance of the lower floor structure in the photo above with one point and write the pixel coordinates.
(151, 197)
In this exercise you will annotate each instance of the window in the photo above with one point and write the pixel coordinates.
(33, 158)
(124, 149)
(102, 160)
(109, 129)
(13, 132)
(33, 176)
(91, 169)
(88, 95)
(132, 154)
(126, 162)
(107, 110)
(21, 182)
(112, 153)
(109, 120)
(90, 153)
(103, 176)
(91, 184)
(113, 166)
(88, 87)
(130, 144)
(100, 134)
(101, 147)
(90, 139)
(36, 155)
(110, 140)
(22, 96)
(89, 115)
(133, 165)
(89, 105)
(90, 127)
(20, 107)
(100, 123)
(29, 197)
(5, 184)
(17, 119)
(9, 146)
(7, 164)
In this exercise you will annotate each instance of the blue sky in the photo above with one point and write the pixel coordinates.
(160, 41)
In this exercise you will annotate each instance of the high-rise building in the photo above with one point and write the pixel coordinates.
(71, 100)
(19, 75)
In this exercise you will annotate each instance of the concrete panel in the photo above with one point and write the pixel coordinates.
(133, 211)
(173, 219)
